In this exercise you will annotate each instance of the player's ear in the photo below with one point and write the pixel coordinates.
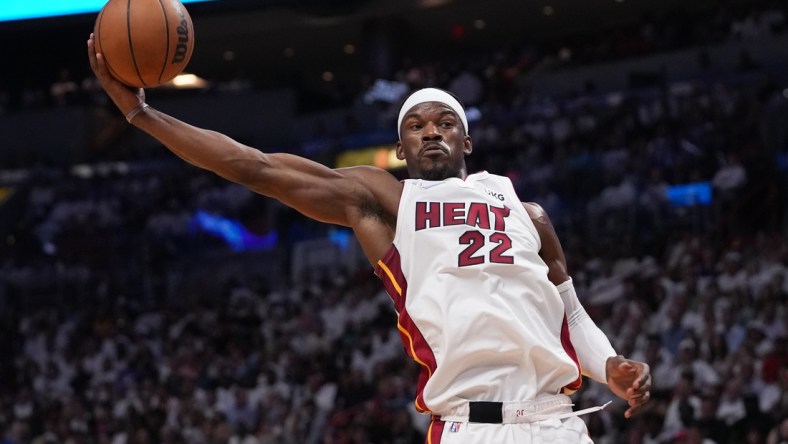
(400, 151)
(467, 145)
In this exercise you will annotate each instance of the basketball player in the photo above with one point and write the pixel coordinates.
(478, 279)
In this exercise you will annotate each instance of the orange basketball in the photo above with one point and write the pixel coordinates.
(145, 43)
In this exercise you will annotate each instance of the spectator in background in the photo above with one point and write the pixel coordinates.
(730, 178)
(467, 86)
(732, 328)
(683, 407)
(64, 90)
(779, 433)
(731, 408)
(687, 361)
(773, 400)
(707, 422)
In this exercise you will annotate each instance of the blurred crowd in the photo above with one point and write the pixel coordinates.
(318, 360)
(656, 32)
(101, 341)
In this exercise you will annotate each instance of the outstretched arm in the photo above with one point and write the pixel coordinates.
(628, 379)
(335, 196)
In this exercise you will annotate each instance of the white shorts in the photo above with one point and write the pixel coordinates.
(549, 431)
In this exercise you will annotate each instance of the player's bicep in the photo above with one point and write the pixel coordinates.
(330, 196)
(309, 187)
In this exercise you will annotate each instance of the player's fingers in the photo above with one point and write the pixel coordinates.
(638, 390)
(634, 405)
(91, 53)
(639, 397)
(643, 383)
(101, 66)
(97, 61)
(643, 375)
(637, 402)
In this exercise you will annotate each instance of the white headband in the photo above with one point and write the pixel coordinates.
(432, 95)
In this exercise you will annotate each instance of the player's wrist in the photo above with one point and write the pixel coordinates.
(611, 364)
(142, 106)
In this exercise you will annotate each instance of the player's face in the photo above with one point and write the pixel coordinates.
(433, 142)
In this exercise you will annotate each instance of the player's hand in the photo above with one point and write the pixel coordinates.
(629, 380)
(125, 97)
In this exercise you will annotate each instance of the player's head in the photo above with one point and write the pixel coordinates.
(433, 135)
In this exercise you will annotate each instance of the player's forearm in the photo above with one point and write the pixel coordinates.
(203, 148)
(592, 346)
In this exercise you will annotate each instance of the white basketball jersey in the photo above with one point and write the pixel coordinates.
(475, 308)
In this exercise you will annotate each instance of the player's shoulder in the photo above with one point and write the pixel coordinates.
(537, 213)
(534, 209)
(376, 183)
(368, 173)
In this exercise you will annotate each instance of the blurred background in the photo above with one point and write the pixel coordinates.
(145, 301)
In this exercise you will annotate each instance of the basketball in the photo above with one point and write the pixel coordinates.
(145, 43)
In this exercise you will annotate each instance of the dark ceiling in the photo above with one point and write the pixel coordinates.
(317, 35)
(266, 39)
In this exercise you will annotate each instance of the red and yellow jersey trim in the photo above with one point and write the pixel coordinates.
(389, 270)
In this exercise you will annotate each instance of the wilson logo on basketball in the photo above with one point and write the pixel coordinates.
(182, 48)
(145, 43)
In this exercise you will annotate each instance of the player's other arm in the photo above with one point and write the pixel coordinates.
(630, 380)
(592, 346)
